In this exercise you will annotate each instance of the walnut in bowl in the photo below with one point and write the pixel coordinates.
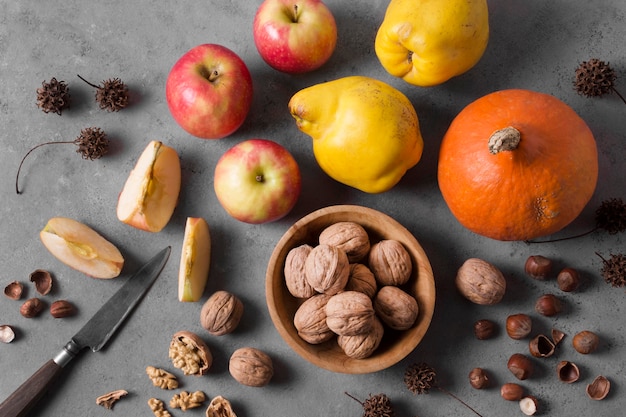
(282, 305)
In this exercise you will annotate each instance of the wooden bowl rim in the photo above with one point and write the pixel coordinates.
(328, 355)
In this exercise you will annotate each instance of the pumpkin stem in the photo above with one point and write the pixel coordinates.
(506, 139)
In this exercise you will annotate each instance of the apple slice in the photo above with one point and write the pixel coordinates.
(150, 193)
(195, 260)
(82, 248)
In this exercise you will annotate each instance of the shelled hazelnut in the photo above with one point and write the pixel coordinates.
(529, 405)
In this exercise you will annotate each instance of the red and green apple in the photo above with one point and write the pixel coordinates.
(294, 36)
(209, 91)
(257, 181)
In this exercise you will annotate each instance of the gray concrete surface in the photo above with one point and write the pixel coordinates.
(534, 44)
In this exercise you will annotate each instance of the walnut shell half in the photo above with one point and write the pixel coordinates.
(250, 366)
(190, 354)
(221, 313)
(348, 236)
(220, 407)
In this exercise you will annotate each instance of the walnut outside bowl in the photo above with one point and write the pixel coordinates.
(395, 345)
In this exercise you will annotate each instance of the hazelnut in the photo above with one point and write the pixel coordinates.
(348, 236)
(568, 279)
(512, 391)
(567, 372)
(31, 308)
(478, 378)
(548, 305)
(390, 262)
(518, 326)
(585, 342)
(520, 365)
(480, 282)
(14, 290)
(541, 347)
(62, 308)
(599, 388)
(529, 405)
(484, 329)
(250, 366)
(538, 267)
(42, 280)
(221, 313)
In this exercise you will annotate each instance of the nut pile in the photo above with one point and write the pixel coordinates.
(33, 306)
(350, 289)
(519, 326)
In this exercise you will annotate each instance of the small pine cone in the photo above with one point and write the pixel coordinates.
(594, 78)
(92, 143)
(53, 96)
(113, 95)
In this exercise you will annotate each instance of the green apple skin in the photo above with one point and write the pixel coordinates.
(257, 181)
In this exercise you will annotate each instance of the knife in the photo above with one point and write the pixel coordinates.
(94, 334)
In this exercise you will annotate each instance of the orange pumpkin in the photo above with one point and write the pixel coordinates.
(517, 165)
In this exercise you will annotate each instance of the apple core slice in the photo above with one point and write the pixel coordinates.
(150, 193)
(82, 248)
(195, 260)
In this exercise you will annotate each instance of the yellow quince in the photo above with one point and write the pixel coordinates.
(427, 42)
(365, 132)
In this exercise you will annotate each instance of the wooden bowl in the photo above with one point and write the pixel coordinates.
(395, 345)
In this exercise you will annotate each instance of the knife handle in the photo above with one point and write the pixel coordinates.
(27, 394)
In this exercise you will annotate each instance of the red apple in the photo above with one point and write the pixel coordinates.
(257, 181)
(294, 36)
(209, 91)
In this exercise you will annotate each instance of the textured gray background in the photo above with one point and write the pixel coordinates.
(534, 44)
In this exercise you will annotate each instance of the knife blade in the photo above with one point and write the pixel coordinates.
(94, 334)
